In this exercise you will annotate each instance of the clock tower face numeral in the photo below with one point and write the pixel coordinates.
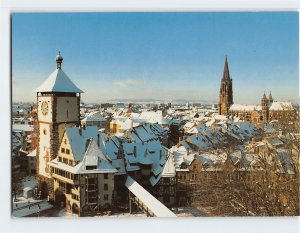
(44, 108)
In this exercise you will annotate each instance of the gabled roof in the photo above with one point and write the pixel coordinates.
(58, 81)
(78, 139)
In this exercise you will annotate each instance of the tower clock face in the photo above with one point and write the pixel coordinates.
(44, 108)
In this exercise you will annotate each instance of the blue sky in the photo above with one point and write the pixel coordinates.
(158, 55)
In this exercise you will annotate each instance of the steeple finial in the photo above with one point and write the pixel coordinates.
(59, 59)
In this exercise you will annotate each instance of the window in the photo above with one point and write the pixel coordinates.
(90, 167)
(105, 186)
(44, 131)
(105, 176)
(67, 151)
(63, 150)
(59, 159)
(172, 181)
(105, 197)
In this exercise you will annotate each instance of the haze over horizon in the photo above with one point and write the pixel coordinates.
(164, 56)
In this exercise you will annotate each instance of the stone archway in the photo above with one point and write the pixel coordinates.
(44, 190)
(60, 198)
(75, 208)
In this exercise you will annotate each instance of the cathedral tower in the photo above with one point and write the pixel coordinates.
(265, 107)
(58, 106)
(226, 95)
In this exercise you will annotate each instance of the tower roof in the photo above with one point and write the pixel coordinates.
(264, 96)
(58, 81)
(270, 96)
(226, 74)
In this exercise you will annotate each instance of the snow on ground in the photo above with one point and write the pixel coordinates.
(189, 212)
(29, 181)
(26, 209)
(120, 215)
(65, 214)
(22, 201)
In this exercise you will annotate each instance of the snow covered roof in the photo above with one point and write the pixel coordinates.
(244, 107)
(154, 117)
(286, 161)
(32, 153)
(169, 167)
(280, 106)
(94, 161)
(23, 127)
(275, 141)
(181, 155)
(58, 81)
(155, 206)
(78, 138)
(94, 116)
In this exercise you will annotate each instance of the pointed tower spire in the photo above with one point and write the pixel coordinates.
(270, 98)
(226, 94)
(264, 96)
(226, 74)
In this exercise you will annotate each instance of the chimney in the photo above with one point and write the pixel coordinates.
(188, 151)
(98, 141)
(134, 150)
(160, 154)
(80, 130)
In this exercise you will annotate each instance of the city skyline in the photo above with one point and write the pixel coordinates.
(163, 56)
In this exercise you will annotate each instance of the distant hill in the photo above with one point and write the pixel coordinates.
(157, 101)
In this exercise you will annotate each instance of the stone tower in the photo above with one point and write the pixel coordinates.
(265, 108)
(226, 95)
(58, 106)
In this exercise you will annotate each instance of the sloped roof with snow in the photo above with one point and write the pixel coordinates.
(58, 81)
(244, 107)
(286, 161)
(155, 206)
(281, 106)
(94, 116)
(78, 139)
(92, 157)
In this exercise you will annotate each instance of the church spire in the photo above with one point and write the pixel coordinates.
(270, 98)
(226, 94)
(226, 74)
